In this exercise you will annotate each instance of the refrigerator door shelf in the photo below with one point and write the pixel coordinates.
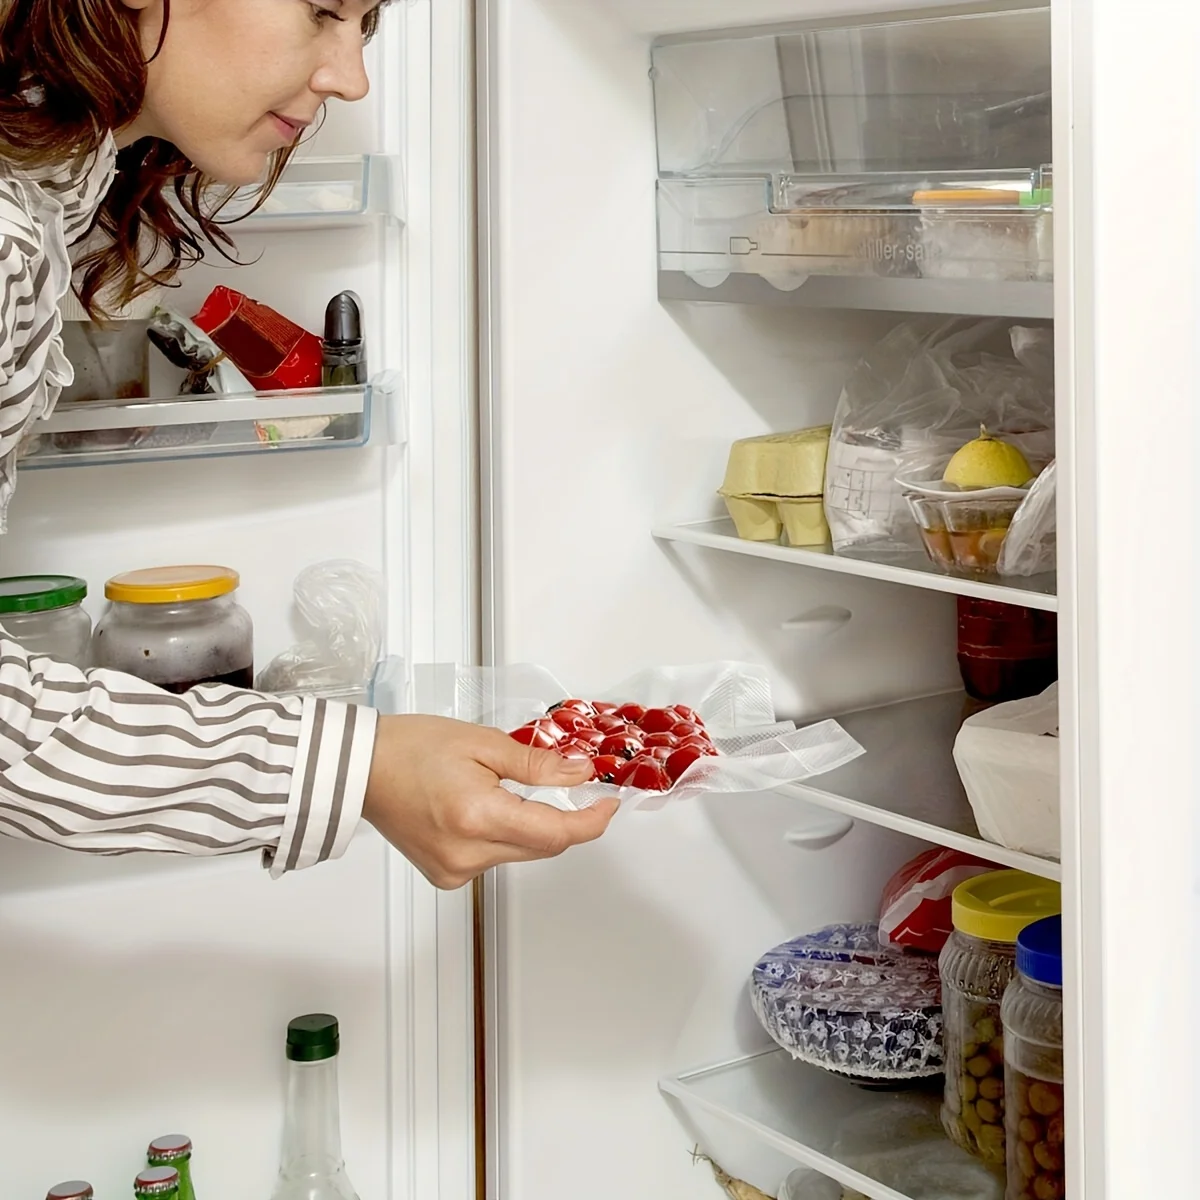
(111, 432)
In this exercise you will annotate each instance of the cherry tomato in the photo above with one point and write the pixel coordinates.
(575, 749)
(644, 773)
(631, 712)
(686, 729)
(660, 753)
(579, 706)
(534, 735)
(687, 714)
(571, 720)
(659, 720)
(593, 737)
(623, 745)
(610, 723)
(603, 707)
(556, 731)
(698, 743)
(606, 767)
(662, 739)
(680, 760)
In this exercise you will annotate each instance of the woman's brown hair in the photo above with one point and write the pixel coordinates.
(71, 71)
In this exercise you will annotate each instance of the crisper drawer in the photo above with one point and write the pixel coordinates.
(916, 148)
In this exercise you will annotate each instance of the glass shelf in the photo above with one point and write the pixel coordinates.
(324, 193)
(102, 432)
(871, 1142)
(913, 569)
(902, 150)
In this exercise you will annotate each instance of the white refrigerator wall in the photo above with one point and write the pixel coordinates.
(144, 995)
(608, 412)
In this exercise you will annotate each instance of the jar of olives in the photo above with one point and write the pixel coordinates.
(1032, 1013)
(977, 964)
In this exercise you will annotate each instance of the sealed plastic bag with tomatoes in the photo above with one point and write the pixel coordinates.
(667, 734)
(915, 909)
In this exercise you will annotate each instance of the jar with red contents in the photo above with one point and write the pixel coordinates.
(1005, 652)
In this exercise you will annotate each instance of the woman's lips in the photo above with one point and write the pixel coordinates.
(288, 129)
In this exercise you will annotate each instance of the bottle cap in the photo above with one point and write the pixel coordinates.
(171, 585)
(1039, 951)
(343, 320)
(156, 1181)
(312, 1038)
(998, 905)
(168, 1148)
(73, 1189)
(40, 593)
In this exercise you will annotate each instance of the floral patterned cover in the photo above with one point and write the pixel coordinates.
(837, 999)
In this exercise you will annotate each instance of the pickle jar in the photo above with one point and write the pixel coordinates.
(977, 964)
(176, 627)
(44, 615)
(1032, 1013)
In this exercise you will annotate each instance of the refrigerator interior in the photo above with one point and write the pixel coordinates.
(627, 961)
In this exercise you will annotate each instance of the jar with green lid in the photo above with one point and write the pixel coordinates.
(1033, 1066)
(977, 964)
(44, 614)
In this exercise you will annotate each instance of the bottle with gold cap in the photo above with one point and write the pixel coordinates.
(157, 1183)
(176, 627)
(174, 1150)
(73, 1189)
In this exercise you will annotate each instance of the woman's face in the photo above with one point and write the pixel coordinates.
(236, 80)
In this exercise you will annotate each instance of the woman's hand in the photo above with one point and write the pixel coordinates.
(434, 792)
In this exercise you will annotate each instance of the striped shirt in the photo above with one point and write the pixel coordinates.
(101, 762)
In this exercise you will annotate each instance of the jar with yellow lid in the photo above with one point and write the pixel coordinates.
(977, 964)
(176, 627)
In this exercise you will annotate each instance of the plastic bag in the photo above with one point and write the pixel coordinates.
(915, 909)
(343, 603)
(1007, 758)
(916, 398)
(1031, 544)
(756, 752)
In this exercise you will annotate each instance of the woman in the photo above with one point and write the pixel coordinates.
(103, 105)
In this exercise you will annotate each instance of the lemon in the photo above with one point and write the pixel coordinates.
(988, 462)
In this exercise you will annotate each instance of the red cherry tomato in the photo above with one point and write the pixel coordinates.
(623, 745)
(604, 707)
(684, 729)
(534, 735)
(660, 753)
(662, 739)
(631, 712)
(575, 749)
(680, 760)
(645, 773)
(579, 706)
(610, 723)
(659, 720)
(698, 743)
(570, 720)
(687, 714)
(606, 767)
(593, 737)
(556, 731)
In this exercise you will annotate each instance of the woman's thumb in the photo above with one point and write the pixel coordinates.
(543, 768)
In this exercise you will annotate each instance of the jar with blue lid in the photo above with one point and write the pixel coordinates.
(1032, 1013)
(44, 615)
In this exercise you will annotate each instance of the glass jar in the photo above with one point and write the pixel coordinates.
(1032, 1013)
(977, 964)
(44, 614)
(176, 627)
(1005, 652)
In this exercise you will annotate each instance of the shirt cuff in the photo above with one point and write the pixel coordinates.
(329, 783)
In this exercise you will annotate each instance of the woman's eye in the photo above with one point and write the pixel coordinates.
(321, 15)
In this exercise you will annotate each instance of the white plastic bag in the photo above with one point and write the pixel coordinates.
(343, 604)
(1007, 758)
(1031, 544)
(756, 752)
(916, 398)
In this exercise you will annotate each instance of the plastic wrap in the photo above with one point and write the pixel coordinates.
(915, 908)
(839, 1000)
(1031, 545)
(916, 398)
(342, 602)
(756, 752)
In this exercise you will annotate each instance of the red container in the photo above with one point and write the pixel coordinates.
(1005, 652)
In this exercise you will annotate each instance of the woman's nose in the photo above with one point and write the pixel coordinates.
(343, 73)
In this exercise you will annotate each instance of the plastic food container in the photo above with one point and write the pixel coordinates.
(1032, 1013)
(986, 233)
(1006, 652)
(976, 965)
(838, 1000)
(977, 531)
(44, 614)
(176, 627)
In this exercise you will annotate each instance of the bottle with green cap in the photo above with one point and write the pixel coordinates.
(174, 1150)
(157, 1183)
(73, 1189)
(311, 1166)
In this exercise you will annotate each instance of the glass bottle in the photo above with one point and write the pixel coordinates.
(157, 1183)
(174, 1150)
(311, 1165)
(73, 1189)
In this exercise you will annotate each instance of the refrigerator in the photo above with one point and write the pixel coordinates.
(561, 355)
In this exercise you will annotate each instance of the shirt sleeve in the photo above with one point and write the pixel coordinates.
(104, 763)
